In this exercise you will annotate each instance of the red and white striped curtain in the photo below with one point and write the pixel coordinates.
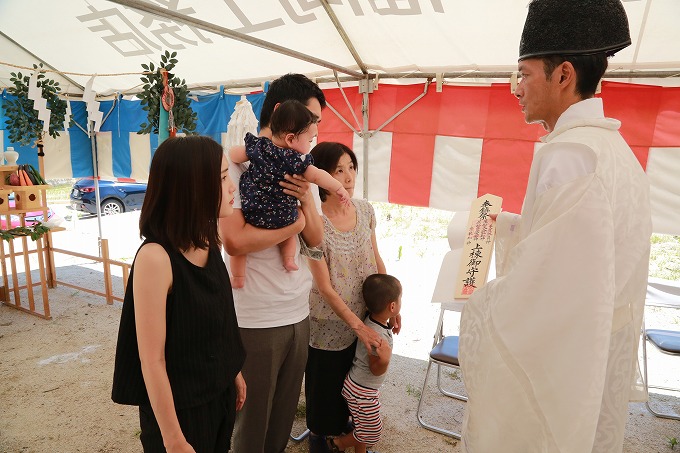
(453, 146)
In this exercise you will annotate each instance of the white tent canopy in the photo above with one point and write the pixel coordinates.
(467, 140)
(394, 37)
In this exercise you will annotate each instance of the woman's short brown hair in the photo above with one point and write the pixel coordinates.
(184, 193)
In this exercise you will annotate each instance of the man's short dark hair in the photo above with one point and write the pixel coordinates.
(289, 86)
(379, 291)
(589, 70)
(183, 197)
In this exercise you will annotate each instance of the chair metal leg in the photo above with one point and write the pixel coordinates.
(301, 437)
(419, 416)
(457, 396)
(661, 414)
(647, 386)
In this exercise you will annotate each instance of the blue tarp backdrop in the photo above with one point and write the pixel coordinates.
(122, 118)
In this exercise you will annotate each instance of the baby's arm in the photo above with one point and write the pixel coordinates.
(237, 154)
(379, 363)
(325, 180)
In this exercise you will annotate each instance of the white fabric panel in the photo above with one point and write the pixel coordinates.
(57, 158)
(140, 156)
(455, 172)
(379, 159)
(105, 155)
(663, 168)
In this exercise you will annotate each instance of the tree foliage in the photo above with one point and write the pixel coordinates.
(184, 117)
(22, 119)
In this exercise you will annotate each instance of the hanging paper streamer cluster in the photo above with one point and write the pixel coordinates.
(242, 120)
(67, 116)
(39, 103)
(93, 113)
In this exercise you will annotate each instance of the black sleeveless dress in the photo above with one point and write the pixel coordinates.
(203, 348)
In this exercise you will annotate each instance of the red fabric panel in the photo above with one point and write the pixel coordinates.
(642, 154)
(505, 119)
(411, 169)
(383, 104)
(456, 111)
(667, 132)
(463, 111)
(504, 171)
(636, 106)
(422, 117)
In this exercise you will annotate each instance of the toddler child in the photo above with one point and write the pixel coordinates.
(382, 295)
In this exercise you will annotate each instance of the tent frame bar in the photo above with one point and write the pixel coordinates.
(256, 83)
(227, 33)
(40, 60)
(345, 37)
(251, 84)
(614, 74)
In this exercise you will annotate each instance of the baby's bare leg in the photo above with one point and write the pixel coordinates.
(287, 248)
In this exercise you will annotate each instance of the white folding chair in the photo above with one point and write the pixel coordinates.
(444, 353)
(663, 294)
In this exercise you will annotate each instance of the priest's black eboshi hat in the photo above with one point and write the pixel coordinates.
(574, 27)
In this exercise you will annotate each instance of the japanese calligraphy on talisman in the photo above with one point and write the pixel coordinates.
(478, 246)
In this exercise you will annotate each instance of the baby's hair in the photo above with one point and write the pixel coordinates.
(291, 117)
(379, 291)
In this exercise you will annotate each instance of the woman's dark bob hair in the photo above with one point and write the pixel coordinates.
(184, 193)
(326, 157)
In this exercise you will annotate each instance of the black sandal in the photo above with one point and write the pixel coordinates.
(331, 445)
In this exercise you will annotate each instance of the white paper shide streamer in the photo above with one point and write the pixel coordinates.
(39, 103)
(67, 116)
(93, 113)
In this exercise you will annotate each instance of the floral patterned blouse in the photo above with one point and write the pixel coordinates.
(350, 258)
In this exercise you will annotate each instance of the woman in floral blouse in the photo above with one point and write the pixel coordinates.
(337, 308)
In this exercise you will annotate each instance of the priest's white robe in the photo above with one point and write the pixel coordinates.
(548, 349)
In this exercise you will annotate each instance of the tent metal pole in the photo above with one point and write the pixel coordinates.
(645, 16)
(365, 134)
(349, 106)
(344, 35)
(95, 171)
(227, 33)
(332, 109)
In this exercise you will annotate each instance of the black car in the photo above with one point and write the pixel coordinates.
(115, 196)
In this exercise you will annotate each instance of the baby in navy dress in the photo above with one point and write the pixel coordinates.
(263, 202)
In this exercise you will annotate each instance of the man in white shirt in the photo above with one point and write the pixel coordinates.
(273, 306)
(549, 348)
